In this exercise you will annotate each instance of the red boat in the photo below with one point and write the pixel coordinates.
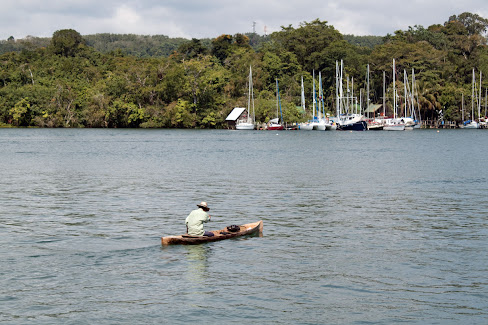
(274, 125)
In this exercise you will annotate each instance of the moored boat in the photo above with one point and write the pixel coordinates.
(248, 123)
(307, 126)
(246, 229)
(352, 122)
(394, 124)
(275, 124)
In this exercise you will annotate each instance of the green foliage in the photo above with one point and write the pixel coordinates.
(369, 41)
(178, 115)
(192, 49)
(310, 42)
(19, 112)
(143, 46)
(108, 80)
(66, 42)
(474, 24)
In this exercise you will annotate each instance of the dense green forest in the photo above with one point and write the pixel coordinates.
(108, 80)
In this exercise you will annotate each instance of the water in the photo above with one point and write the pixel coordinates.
(359, 228)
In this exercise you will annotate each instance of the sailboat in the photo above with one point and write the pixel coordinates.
(373, 124)
(318, 120)
(306, 126)
(472, 124)
(248, 124)
(275, 124)
(346, 119)
(394, 124)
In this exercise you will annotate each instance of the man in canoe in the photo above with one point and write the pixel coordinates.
(196, 219)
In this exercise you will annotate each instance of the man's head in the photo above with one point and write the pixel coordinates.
(203, 205)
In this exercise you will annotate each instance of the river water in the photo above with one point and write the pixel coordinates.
(359, 227)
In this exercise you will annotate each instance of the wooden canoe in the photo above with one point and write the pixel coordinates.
(246, 229)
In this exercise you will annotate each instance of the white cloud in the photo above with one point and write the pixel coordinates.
(211, 18)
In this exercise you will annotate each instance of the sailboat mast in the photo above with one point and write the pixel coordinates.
(462, 107)
(479, 102)
(321, 100)
(384, 93)
(394, 91)
(278, 102)
(277, 99)
(367, 92)
(337, 89)
(352, 96)
(472, 98)
(314, 101)
(405, 77)
(341, 90)
(411, 94)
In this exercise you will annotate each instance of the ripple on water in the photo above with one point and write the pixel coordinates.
(358, 227)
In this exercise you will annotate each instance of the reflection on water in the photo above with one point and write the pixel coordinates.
(197, 257)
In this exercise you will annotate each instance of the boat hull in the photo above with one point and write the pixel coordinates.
(319, 127)
(305, 127)
(375, 127)
(398, 127)
(472, 125)
(357, 126)
(275, 127)
(245, 126)
(246, 229)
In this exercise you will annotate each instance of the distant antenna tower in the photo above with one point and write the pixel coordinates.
(254, 27)
(265, 31)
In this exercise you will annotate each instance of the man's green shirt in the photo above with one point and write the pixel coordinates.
(195, 221)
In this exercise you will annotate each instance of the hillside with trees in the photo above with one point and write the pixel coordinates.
(153, 81)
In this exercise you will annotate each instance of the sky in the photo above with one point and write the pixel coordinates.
(211, 18)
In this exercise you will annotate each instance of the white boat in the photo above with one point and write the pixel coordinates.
(409, 114)
(244, 126)
(409, 123)
(471, 125)
(318, 122)
(275, 124)
(319, 125)
(394, 124)
(376, 124)
(248, 123)
(305, 126)
(330, 125)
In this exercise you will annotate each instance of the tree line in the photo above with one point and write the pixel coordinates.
(99, 81)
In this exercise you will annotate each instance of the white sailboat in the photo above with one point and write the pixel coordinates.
(472, 124)
(306, 126)
(275, 124)
(394, 124)
(318, 120)
(248, 124)
(409, 111)
(374, 124)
